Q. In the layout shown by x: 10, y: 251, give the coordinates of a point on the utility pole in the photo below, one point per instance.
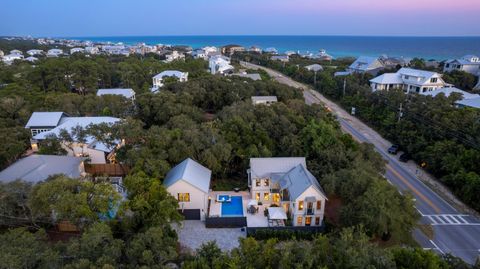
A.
x: 344, y: 85
x: 315, y: 78
x: 400, y: 112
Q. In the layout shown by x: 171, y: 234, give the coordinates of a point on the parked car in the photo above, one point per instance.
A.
x: 404, y: 157
x: 393, y: 149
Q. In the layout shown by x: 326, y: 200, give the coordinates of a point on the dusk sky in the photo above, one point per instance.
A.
x: 240, y: 17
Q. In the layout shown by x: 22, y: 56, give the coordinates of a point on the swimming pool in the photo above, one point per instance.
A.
x: 234, y: 208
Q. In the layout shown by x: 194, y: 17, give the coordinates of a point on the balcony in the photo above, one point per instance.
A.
x: 309, y: 212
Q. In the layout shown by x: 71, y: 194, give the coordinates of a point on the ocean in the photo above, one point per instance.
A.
x: 438, y: 48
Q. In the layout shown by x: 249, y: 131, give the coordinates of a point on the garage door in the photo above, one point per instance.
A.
x: 190, y: 214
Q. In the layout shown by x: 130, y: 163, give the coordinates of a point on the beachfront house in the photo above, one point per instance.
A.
x: 468, y: 63
x: 127, y: 93
x: 18, y: 52
x: 264, y: 100
x: 158, y: 80
x: 410, y: 81
x: 219, y: 64
x: 285, y: 183
x: 43, y: 125
x: 36, y: 168
x: 189, y: 183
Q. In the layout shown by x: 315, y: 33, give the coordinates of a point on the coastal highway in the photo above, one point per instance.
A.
x: 454, y: 232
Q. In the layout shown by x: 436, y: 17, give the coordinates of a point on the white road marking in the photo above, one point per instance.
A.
x: 436, y: 247
x: 449, y: 219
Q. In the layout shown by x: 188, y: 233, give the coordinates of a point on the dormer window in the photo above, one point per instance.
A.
x: 267, y: 182
x: 433, y: 80
x: 258, y: 183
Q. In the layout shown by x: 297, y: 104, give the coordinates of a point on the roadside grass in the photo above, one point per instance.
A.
x: 427, y: 230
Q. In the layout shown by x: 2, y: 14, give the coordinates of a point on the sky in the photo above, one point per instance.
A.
x: 76, y: 18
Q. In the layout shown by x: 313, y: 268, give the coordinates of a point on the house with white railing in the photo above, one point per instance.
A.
x: 410, y: 81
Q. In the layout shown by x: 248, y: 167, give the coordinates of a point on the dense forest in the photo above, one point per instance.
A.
x: 428, y: 128
x: 210, y: 119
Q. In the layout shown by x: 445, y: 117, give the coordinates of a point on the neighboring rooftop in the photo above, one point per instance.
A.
x: 254, y: 76
x: 448, y: 91
x: 36, y: 168
x: 171, y: 73
x: 191, y: 172
x: 256, y: 99
x: 127, y: 93
x: 475, y: 103
x: 45, y: 119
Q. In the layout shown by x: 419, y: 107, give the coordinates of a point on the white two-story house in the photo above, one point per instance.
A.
x: 410, y: 81
x: 287, y: 183
x: 43, y: 125
x: 158, y: 80
x: 468, y: 63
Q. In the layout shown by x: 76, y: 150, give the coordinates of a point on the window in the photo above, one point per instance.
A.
x: 433, y: 80
x: 299, y: 220
x: 184, y: 197
x: 317, y: 221
x: 267, y: 182
x: 308, y: 221
x: 276, y: 197
x: 266, y: 196
x: 258, y: 183
x: 319, y: 205
x: 407, y: 77
x: 257, y: 196
x: 300, y: 205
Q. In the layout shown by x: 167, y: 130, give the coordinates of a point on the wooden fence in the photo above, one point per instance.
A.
x: 110, y: 169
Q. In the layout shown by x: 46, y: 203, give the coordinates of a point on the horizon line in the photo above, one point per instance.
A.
x: 248, y: 35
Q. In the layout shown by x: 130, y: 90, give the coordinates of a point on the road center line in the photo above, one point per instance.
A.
x: 410, y: 186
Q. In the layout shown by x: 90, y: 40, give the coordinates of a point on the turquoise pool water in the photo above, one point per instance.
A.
x: 234, y: 208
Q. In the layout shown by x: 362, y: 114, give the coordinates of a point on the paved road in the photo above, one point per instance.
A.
x: 454, y: 232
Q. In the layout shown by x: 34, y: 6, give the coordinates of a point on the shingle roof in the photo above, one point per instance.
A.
x: 127, y: 93
x: 36, y: 168
x: 191, y: 172
x: 44, y: 119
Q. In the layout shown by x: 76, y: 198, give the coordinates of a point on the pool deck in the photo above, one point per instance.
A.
x: 216, y: 207
x: 253, y: 220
